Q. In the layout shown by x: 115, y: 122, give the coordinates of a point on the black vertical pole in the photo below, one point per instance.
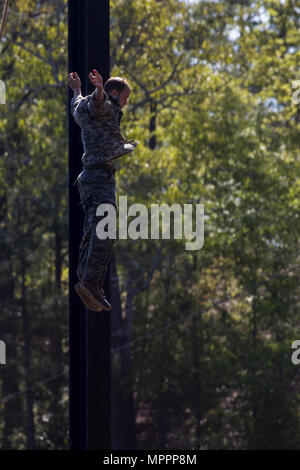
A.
x: 89, y: 338
x: 76, y: 31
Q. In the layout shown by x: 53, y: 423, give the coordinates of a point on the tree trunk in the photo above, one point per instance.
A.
x: 58, y: 259
x: 28, y: 395
x: 12, y: 409
x: 123, y: 417
x: 163, y: 392
x: 152, y: 126
x: 162, y: 402
x: 198, y: 386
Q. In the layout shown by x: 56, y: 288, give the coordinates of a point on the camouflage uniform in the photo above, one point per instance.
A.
x: 102, y: 142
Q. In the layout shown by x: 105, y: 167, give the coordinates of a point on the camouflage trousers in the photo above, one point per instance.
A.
x: 95, y: 187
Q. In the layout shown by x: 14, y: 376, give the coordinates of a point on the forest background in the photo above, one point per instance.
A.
x: 209, y: 364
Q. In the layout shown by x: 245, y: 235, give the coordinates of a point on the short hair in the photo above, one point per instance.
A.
x: 115, y: 83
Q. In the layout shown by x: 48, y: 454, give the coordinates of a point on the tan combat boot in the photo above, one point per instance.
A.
x: 92, y: 296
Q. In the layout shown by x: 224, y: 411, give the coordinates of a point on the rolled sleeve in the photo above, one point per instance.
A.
x: 77, y: 104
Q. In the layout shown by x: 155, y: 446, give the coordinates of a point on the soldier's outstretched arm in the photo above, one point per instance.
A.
x: 98, y: 103
x: 97, y: 81
x: 75, y: 85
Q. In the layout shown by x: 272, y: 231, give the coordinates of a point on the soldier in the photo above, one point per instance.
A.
x: 98, y: 116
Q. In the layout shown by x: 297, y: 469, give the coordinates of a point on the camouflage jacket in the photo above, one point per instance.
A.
x: 100, y: 129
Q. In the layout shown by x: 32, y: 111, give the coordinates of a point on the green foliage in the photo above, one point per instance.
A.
x: 33, y: 193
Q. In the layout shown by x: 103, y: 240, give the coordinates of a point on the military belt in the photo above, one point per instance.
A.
x: 100, y: 166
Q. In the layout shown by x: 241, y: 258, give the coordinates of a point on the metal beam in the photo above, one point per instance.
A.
x: 89, y: 338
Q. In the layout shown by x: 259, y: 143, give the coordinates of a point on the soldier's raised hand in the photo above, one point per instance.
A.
x: 96, y: 79
x: 74, y: 81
